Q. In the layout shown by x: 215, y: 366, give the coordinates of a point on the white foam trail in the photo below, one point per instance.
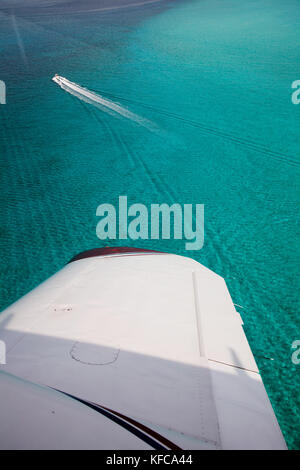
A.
x: 19, y: 39
x: 104, y: 103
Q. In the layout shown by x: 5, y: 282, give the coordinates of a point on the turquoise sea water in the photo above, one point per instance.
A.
x: 215, y: 77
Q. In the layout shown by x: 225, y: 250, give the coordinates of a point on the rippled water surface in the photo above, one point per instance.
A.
x: 214, y: 78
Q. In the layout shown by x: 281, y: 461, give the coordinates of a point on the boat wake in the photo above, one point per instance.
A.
x: 104, y: 104
x: 204, y: 128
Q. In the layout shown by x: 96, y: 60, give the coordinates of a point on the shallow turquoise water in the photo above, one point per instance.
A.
x: 215, y: 77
